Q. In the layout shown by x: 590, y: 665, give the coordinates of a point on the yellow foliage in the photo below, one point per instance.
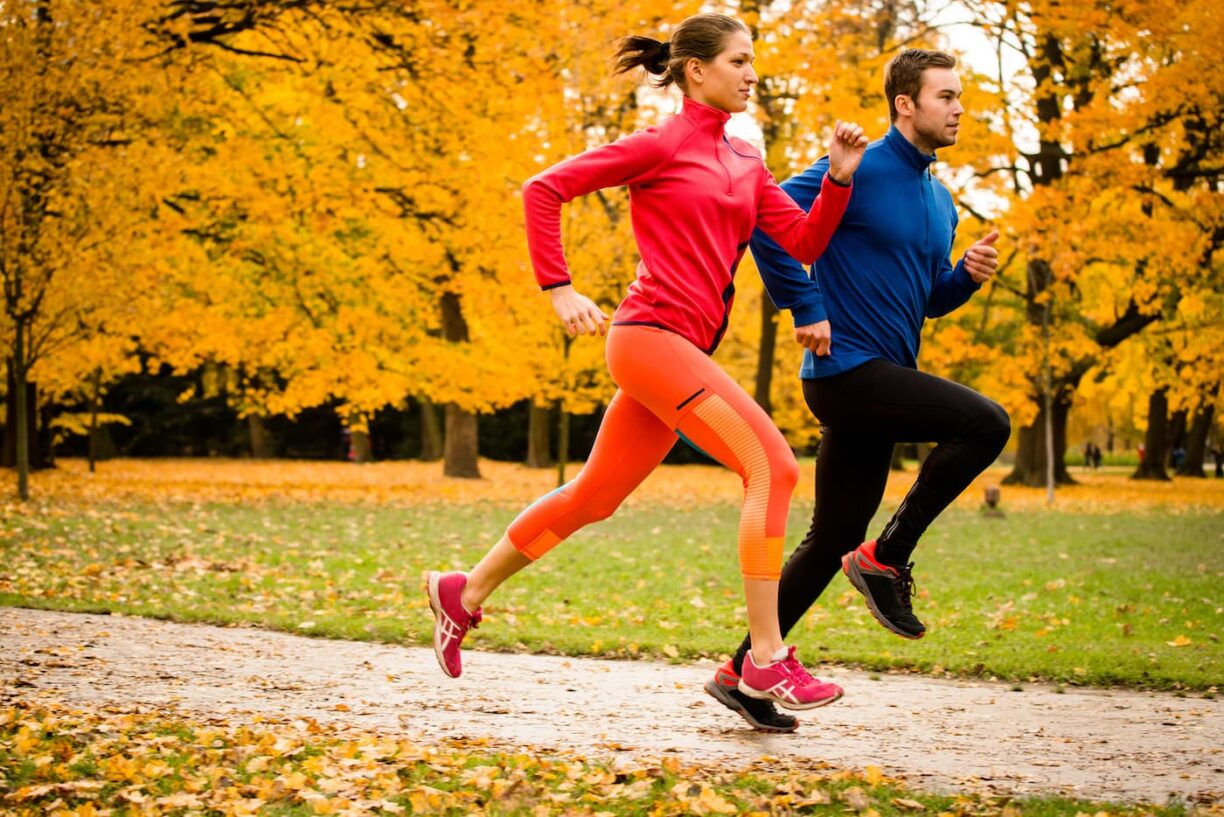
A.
x: 326, y: 210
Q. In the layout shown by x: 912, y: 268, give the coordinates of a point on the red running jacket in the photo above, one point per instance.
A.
x: 695, y: 196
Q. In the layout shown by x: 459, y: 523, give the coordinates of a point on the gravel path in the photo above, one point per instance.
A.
x: 937, y: 734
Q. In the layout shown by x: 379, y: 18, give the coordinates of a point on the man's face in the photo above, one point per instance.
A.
x: 937, y: 110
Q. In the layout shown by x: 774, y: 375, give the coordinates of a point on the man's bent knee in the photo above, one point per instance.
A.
x: 996, y: 426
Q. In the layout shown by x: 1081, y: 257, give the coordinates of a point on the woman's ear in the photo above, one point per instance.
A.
x: 694, y: 70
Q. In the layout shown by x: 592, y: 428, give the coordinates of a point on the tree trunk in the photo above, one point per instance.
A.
x: 359, y: 438
x: 261, y: 441
x: 1196, y: 440
x: 95, y: 399
x: 20, y: 449
x: 459, y: 454
x: 765, y: 354
x: 1156, y: 441
x: 21, y: 423
x: 362, y: 450
x: 898, y: 462
x: 562, y: 443
x: 538, y: 450
x: 431, y: 432
x: 1030, y: 467
x: 459, y: 450
x: 1176, y: 435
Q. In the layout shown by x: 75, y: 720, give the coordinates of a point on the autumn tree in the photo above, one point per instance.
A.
x: 70, y: 136
x: 376, y: 210
x: 1104, y: 92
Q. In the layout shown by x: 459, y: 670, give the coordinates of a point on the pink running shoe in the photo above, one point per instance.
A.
x: 451, y: 619
x: 786, y: 683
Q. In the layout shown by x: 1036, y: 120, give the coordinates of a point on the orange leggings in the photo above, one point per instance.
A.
x: 668, y: 385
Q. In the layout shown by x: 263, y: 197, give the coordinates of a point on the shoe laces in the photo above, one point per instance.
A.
x: 793, y: 670
x: 904, y: 584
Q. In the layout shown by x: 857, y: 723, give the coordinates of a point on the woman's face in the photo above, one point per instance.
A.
x: 726, y: 81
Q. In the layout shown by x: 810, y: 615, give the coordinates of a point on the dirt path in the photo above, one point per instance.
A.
x: 1111, y: 745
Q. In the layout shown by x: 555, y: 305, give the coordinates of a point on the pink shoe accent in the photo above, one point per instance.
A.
x: 451, y: 619
x: 786, y: 683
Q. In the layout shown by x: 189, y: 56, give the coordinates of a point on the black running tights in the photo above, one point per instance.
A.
x: 864, y: 412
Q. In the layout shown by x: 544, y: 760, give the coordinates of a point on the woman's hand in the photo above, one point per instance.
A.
x: 815, y: 337
x: 578, y: 313
x: 846, y: 151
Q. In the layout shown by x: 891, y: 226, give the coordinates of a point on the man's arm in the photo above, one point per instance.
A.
x: 955, y: 285
x: 786, y: 282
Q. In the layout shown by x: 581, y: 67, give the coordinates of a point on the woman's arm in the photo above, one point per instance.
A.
x: 805, y: 235
x: 626, y: 161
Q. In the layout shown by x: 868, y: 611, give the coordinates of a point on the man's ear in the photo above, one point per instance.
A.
x: 904, y: 104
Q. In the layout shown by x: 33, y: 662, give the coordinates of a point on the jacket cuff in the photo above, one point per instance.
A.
x: 810, y: 313
x: 962, y: 275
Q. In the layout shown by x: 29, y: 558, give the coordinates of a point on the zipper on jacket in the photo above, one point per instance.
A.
x: 926, y: 207
x: 727, y: 170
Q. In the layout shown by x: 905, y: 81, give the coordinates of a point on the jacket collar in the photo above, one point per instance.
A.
x: 705, y: 117
x: 906, y: 151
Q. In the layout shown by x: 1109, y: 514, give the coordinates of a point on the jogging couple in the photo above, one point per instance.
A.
x: 879, y: 229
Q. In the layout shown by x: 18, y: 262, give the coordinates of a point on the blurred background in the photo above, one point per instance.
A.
x: 285, y: 228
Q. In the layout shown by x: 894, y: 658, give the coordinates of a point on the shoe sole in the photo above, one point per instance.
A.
x: 436, y: 606
x: 715, y: 691
x: 761, y: 695
x: 856, y: 578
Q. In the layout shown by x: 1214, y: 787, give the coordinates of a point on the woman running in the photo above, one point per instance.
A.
x: 695, y: 197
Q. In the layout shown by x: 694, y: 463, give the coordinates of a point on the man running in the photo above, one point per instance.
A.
x: 884, y: 272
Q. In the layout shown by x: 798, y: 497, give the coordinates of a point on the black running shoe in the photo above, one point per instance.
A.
x: 888, y: 590
x: 762, y: 715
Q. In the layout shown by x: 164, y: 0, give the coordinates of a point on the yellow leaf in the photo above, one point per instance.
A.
x: 908, y: 805
x: 710, y: 802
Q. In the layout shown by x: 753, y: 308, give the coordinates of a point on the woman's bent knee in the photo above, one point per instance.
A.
x: 788, y: 471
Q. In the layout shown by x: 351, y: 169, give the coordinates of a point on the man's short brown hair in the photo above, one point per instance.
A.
x: 903, y: 74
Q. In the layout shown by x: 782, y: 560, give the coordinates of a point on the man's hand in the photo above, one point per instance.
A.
x: 846, y: 151
x: 816, y: 337
x: 982, y: 259
x: 578, y: 313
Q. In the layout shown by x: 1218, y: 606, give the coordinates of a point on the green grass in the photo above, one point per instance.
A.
x: 1075, y: 599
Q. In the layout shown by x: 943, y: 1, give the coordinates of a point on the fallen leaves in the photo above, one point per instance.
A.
x: 59, y: 760
x: 508, y: 484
